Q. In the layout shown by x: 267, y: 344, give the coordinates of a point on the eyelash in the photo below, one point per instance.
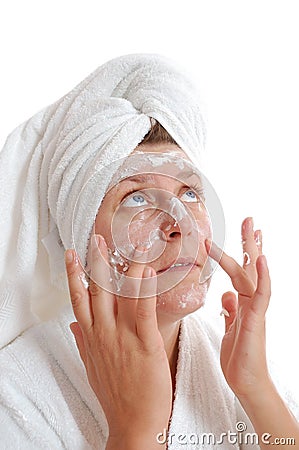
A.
x: 198, y: 190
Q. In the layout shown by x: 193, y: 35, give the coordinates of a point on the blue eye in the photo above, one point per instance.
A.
x: 135, y: 201
x: 190, y: 196
x: 138, y: 198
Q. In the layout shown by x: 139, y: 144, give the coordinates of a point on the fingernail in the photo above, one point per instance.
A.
x: 102, y: 239
x: 213, y: 250
x: 147, y: 273
x: 258, y: 237
x: 248, y: 224
x: 101, y: 242
x: 69, y: 256
x: 95, y: 241
x: 138, y: 252
x: 208, y: 244
x: 98, y: 242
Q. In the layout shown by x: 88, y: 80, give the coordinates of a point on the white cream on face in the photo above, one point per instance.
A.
x: 161, y: 208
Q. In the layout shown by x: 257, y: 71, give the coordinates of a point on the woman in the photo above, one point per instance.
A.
x: 151, y: 365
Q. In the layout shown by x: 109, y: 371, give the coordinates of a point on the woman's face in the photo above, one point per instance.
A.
x: 164, y: 216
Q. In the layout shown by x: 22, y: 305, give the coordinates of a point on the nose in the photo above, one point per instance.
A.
x: 177, y: 221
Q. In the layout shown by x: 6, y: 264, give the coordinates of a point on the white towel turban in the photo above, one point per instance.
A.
x: 46, y: 162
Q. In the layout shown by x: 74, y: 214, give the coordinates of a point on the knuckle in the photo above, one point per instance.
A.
x: 264, y: 291
x: 76, y: 299
x: 94, y: 288
x: 90, y: 338
x: 122, y: 342
x: 71, y: 272
x: 143, y: 314
x: 157, y: 348
x: 99, y: 339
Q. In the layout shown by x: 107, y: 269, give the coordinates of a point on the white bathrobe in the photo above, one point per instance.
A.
x: 47, y: 403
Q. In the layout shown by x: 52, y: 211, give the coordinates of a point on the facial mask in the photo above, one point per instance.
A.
x: 165, y: 197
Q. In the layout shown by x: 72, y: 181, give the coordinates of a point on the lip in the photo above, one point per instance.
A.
x: 187, y: 264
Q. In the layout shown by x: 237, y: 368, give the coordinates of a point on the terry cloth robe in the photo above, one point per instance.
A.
x: 47, y: 403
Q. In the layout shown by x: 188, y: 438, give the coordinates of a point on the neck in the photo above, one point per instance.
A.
x: 170, y: 335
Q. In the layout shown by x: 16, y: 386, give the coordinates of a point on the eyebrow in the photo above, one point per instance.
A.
x: 145, y: 178
x: 137, y: 179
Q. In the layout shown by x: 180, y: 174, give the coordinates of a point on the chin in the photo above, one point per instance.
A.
x: 185, y: 298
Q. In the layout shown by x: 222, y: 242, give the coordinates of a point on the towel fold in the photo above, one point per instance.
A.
x: 53, y: 177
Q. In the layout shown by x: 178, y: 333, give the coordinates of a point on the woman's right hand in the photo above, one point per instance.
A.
x: 122, y: 350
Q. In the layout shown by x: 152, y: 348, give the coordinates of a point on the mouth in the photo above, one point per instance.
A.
x: 182, y: 264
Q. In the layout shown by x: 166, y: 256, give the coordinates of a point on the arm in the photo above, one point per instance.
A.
x: 122, y: 350
x: 243, y: 350
x: 269, y: 414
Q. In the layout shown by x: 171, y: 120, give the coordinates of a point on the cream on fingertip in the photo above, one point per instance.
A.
x: 224, y: 312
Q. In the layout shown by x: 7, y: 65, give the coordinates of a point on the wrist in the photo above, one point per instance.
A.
x: 258, y: 394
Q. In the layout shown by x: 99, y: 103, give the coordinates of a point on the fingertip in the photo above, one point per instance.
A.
x: 247, y: 224
x: 149, y: 272
x: 213, y: 250
x: 208, y: 244
x: 228, y: 295
x: 99, y: 251
x: 224, y: 312
x: 262, y: 262
x: 229, y: 301
x: 69, y: 256
x: 148, y: 288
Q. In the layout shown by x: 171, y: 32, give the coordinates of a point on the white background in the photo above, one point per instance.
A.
x: 244, y: 57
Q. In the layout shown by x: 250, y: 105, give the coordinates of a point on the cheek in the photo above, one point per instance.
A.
x: 183, y: 299
x: 202, y: 214
x: 102, y: 224
x: 203, y: 222
x: 143, y: 230
x: 139, y: 232
x: 146, y: 229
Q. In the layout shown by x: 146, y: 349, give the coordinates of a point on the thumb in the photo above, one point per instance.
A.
x: 229, y: 308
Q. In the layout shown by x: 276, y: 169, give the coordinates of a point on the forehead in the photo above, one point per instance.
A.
x: 161, y: 158
x: 147, y: 166
x: 162, y: 147
x: 181, y: 177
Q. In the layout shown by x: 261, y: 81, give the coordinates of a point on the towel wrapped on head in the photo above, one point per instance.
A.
x: 47, y: 161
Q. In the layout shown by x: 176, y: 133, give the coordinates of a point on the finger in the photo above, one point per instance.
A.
x: 146, y: 316
x: 77, y: 333
x: 102, y: 299
x: 250, y: 249
x: 261, y: 298
x: 240, y: 280
x: 258, y: 236
x: 78, y: 292
x: 130, y: 289
x: 230, y: 305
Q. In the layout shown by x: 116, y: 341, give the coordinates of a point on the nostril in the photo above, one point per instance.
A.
x: 174, y: 234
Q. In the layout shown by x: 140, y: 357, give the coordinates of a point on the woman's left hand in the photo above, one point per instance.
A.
x: 243, y: 350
